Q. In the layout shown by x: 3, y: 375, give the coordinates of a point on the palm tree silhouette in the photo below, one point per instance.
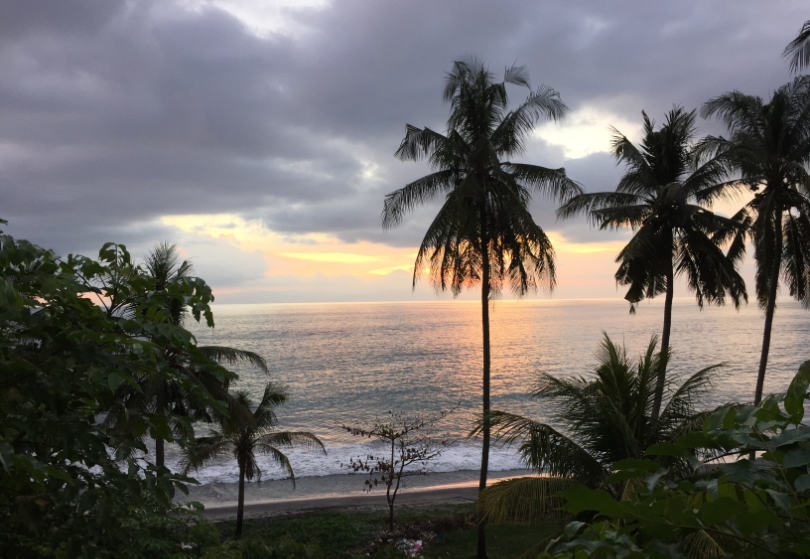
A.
x: 598, y: 420
x: 483, y: 232
x: 769, y: 145
x: 242, y: 433
x: 170, y: 399
x: 660, y: 199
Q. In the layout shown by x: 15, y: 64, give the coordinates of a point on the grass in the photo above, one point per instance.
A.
x: 448, y: 532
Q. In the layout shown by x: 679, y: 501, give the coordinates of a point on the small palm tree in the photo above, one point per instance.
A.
x: 769, y: 145
x: 798, y: 50
x: 163, y: 267
x: 242, y: 433
x: 660, y: 198
x: 604, y: 418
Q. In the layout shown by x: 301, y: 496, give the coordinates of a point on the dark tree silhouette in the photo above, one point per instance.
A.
x: 660, y: 199
x: 769, y: 146
x: 483, y: 232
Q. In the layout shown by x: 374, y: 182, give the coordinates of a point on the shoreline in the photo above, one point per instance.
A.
x: 338, y: 491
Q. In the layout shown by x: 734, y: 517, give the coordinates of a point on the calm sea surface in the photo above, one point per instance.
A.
x: 348, y: 363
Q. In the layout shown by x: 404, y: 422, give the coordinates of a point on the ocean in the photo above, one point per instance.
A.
x: 346, y: 364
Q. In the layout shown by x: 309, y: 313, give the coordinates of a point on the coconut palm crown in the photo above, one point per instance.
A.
x: 243, y: 433
x: 163, y: 267
x: 606, y: 416
x: 483, y: 232
x: 595, y: 421
x: 661, y: 198
x: 769, y: 146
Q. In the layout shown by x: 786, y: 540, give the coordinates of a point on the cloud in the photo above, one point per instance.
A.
x: 116, y: 113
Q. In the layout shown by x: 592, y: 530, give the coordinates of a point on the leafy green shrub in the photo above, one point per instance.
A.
x: 71, y: 374
x: 743, y: 508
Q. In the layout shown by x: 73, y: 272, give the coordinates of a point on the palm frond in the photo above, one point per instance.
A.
x: 543, y: 448
x: 526, y: 499
x: 232, y: 356
x: 798, y: 50
x: 289, y: 439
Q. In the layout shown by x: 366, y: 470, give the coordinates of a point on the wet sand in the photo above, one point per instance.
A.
x: 338, y: 492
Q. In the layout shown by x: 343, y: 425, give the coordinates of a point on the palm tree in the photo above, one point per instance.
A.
x: 170, y: 400
x: 660, y: 199
x: 242, y: 433
x: 483, y: 232
x: 798, y: 50
x: 769, y: 145
x: 605, y: 418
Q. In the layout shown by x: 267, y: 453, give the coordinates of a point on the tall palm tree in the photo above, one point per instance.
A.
x: 660, y: 199
x: 598, y: 420
x: 164, y: 268
x: 483, y: 231
x: 798, y: 50
x: 244, y: 432
x: 769, y: 145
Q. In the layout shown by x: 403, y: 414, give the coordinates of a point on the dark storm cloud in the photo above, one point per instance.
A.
x: 115, y: 113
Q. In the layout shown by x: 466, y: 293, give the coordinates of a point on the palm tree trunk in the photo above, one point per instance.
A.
x: 662, y: 369
x: 160, y: 444
x: 482, y: 483
x: 160, y: 452
x: 769, y: 312
x: 240, y: 503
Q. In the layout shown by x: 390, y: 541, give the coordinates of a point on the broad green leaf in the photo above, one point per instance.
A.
x: 797, y: 392
x: 802, y: 483
x: 796, y: 457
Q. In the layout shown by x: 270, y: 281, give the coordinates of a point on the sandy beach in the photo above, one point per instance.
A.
x: 343, y: 492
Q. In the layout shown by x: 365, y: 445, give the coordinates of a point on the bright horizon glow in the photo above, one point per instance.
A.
x: 293, y: 265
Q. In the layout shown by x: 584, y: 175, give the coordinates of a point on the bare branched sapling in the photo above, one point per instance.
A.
x: 408, y: 441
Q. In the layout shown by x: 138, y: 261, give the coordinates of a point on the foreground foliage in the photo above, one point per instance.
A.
x: 744, y: 508
x: 63, y: 361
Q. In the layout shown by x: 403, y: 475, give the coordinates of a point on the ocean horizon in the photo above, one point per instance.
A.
x: 349, y: 363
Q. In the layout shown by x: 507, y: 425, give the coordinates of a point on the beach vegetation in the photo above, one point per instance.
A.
x: 663, y: 197
x: 769, y: 147
x: 158, y: 393
x: 63, y: 360
x: 741, y: 507
x: 597, y: 421
x: 483, y: 232
x: 242, y: 433
x: 409, y: 446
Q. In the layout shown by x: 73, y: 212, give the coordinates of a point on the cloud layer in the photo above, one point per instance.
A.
x: 115, y: 113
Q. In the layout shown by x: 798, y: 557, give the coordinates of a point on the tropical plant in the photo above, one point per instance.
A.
x: 661, y: 199
x: 242, y: 433
x: 62, y: 361
x: 164, y: 270
x: 483, y: 231
x: 736, y: 508
x: 597, y: 421
x: 798, y: 50
x: 407, y: 442
x: 769, y: 146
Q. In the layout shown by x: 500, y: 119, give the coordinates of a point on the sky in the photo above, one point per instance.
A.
x: 259, y: 136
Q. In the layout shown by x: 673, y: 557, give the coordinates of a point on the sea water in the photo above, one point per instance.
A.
x: 348, y: 364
